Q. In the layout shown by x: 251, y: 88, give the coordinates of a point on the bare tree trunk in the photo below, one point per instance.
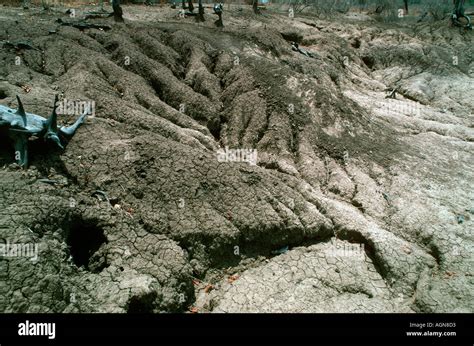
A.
x: 459, y: 8
x: 200, y: 16
x: 406, y: 6
x: 183, y: 2
x: 118, y: 13
x: 255, y: 7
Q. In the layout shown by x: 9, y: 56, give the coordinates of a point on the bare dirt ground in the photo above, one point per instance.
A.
x: 357, y: 203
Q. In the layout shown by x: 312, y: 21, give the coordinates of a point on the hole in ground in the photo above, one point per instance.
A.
x: 86, y: 241
x: 142, y: 303
x: 369, y: 61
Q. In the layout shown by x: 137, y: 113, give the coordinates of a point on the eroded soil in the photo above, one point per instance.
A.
x: 357, y: 203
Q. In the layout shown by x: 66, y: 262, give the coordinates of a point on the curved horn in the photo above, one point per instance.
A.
x: 52, y: 122
x: 21, y: 110
x: 52, y: 126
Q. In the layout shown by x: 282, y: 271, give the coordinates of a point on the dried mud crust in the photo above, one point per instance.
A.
x: 142, y: 217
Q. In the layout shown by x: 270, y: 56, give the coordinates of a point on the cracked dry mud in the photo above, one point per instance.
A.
x: 358, y: 203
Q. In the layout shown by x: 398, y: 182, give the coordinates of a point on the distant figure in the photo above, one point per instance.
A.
x: 218, y: 8
x: 458, y: 17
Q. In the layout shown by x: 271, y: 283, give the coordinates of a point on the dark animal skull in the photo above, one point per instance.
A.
x: 20, y: 126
